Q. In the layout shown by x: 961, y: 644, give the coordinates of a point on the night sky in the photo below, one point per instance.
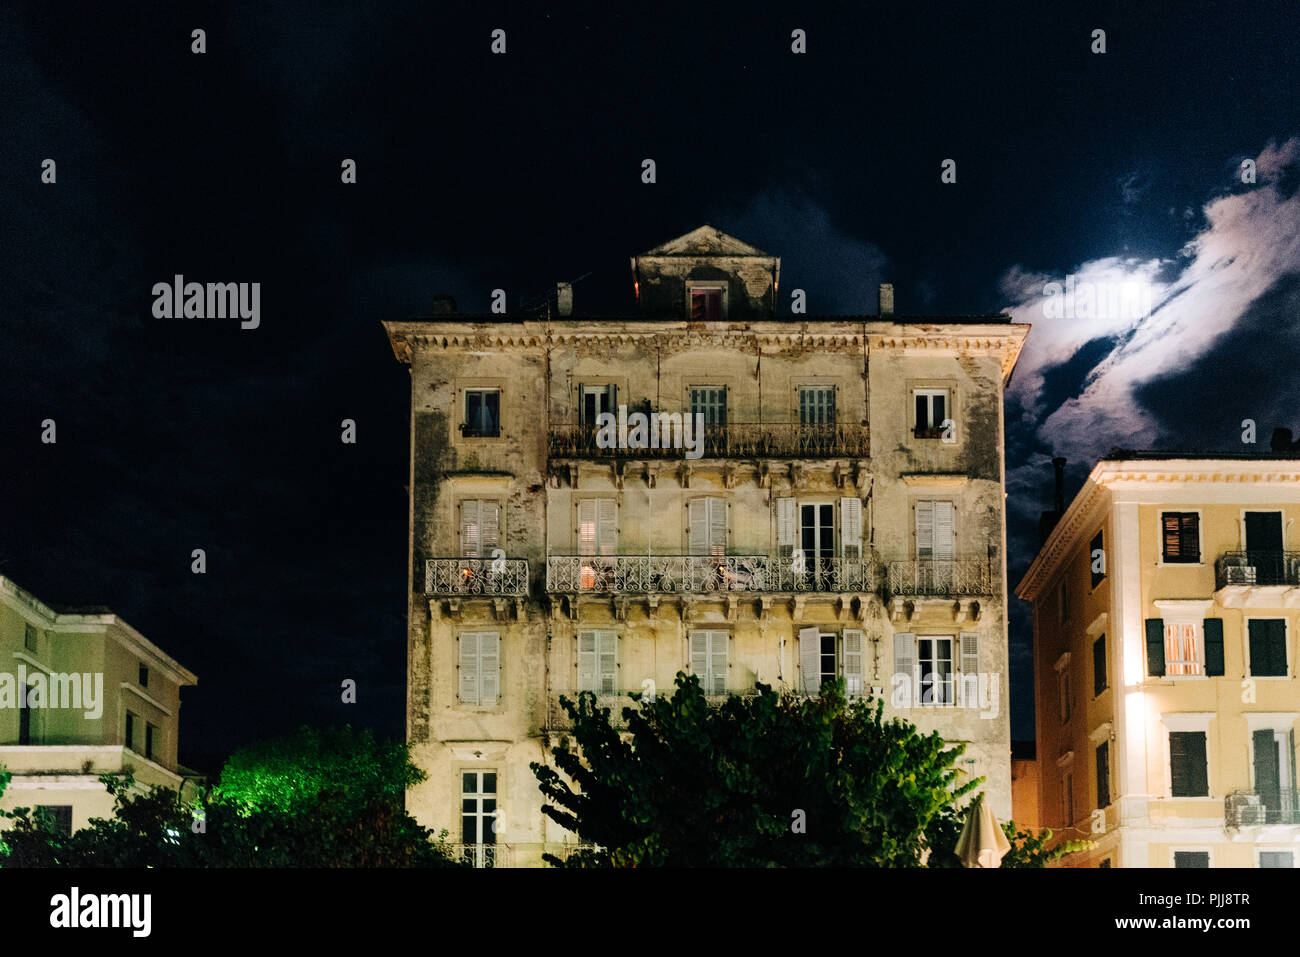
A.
x: 477, y: 171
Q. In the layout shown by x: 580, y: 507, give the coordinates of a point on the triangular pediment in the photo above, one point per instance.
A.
x: 705, y: 241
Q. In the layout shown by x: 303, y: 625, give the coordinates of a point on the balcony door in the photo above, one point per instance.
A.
x: 1264, y: 547
x: 1273, y: 774
x: 935, y: 546
x: 817, y: 540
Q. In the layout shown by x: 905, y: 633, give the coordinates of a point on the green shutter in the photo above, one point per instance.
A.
x: 1188, y: 774
x: 1267, y: 785
x: 1156, y: 647
x: 1267, y: 647
x: 1214, y: 647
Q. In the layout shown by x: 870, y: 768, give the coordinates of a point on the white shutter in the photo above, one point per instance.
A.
x: 587, y: 661
x: 852, y: 661
x: 905, y: 657
x: 607, y: 527
x: 469, y: 667
x: 970, y: 653
x: 944, y: 540
x: 607, y: 651
x: 810, y: 660
x: 785, y: 522
x: 924, y: 530
x: 587, y: 526
x: 489, y: 527
x: 718, y: 654
x: 851, y: 527
x: 469, y: 529
x: 489, y: 668
x: 700, y: 658
x: 717, y: 526
x: 698, y: 516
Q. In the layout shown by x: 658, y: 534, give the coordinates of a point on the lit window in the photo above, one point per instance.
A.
x: 934, y: 656
x: 1182, y: 648
x: 1180, y: 537
x: 478, y: 816
x: 706, y: 304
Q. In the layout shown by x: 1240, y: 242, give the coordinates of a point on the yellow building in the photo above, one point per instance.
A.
x: 82, y: 694
x: 1165, y: 621
x: 838, y: 512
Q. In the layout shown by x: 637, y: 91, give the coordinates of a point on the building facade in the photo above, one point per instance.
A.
x: 1165, y: 620
x: 82, y: 694
x: 572, y: 527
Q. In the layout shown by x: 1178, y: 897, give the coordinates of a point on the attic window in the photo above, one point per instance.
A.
x: 706, y: 303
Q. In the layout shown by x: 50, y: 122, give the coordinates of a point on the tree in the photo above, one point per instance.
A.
x: 763, y: 780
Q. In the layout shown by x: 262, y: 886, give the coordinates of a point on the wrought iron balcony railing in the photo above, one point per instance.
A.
x: 732, y: 440
x: 484, y: 855
x: 924, y: 578
x: 470, y: 577
x: 1257, y: 568
x: 1250, y: 809
x: 702, y: 574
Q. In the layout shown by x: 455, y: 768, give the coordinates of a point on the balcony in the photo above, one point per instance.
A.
x: 703, y: 574
x: 1251, y: 569
x: 1248, y: 809
x: 483, y: 855
x: 733, y: 440
x: 927, y: 578
x: 470, y: 577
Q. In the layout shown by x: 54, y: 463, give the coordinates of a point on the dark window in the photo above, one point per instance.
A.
x: 1099, y: 665
x: 1103, y: 774
x: 1187, y: 769
x: 706, y: 305
x: 1267, y: 647
x: 817, y: 405
x: 149, y: 738
x: 931, y: 408
x: 1191, y: 858
x: 129, y: 738
x: 1268, y: 768
x: 1097, y: 560
x: 595, y: 400
x: 1181, y: 537
x: 56, y: 817
x: 29, y: 638
x: 1264, y: 548
x: 144, y: 676
x: 482, y: 413
x: 25, y: 719
x: 827, y: 659
x: 478, y: 807
x: 712, y: 404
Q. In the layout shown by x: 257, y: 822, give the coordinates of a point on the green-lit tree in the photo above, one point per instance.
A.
x: 763, y: 780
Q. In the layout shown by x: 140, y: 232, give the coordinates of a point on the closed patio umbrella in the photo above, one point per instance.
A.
x: 982, y: 842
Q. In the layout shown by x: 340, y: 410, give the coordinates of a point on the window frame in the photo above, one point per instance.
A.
x: 598, y: 636
x: 1286, y: 645
x: 1161, y: 561
x: 1169, y: 763
x: 829, y: 389
x: 951, y: 679
x: 721, y: 406
x: 486, y: 833
x: 1097, y: 541
x: 935, y: 429
x: 479, y: 671
x: 1103, y: 672
x: 708, y: 286
x: 466, y: 430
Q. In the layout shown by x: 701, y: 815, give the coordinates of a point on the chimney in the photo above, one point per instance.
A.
x: 1058, y: 464
x: 564, y: 298
x: 886, y: 299
x: 443, y: 305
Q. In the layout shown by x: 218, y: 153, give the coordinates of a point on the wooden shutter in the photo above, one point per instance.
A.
x: 698, y: 522
x: 1267, y: 767
x: 489, y: 527
x: 717, y: 526
x: 718, y: 656
x: 1187, y: 768
x: 1189, y: 543
x: 785, y: 523
x: 607, y: 527
x: 924, y: 530
x: 1213, y: 647
x: 470, y: 530
x: 611, y: 397
x: 1155, y: 647
x: 810, y: 661
x: 945, y: 545
x: 851, y: 527
x: 587, y: 526
x: 905, y: 658
x: 852, y: 661
x: 970, y: 653
x: 607, y: 661
x: 469, y: 667
x: 1267, y: 638
x: 489, y: 667
x: 587, y: 661
x: 700, y: 658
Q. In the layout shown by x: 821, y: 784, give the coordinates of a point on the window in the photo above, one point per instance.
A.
x: 706, y: 303
x: 595, y: 400
x: 1099, y: 665
x: 150, y: 739
x: 709, y: 660
x: 1191, y: 858
x: 25, y: 717
x: 934, y: 658
x: 478, y: 811
x: 931, y: 408
x: 598, y: 661
x: 1182, y: 648
x: 1276, y: 859
x: 1103, y: 774
x: 1097, y: 560
x: 1264, y: 554
x: 1267, y: 647
x: 480, y: 528
x: 29, y: 638
x: 1271, y: 753
x: 128, y: 737
x: 480, y: 668
x: 597, y: 526
x: 56, y: 817
x: 711, y: 402
x: 1063, y: 694
x: 1067, y: 798
x: 935, y: 545
x: 707, y: 522
x: 817, y: 405
x: 482, y: 413
x: 144, y: 676
x: 1180, y: 537
x: 817, y: 539
x: 821, y: 660
x: 1188, y: 774
x: 1063, y: 603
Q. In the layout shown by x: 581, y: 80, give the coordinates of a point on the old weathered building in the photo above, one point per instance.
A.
x: 842, y: 514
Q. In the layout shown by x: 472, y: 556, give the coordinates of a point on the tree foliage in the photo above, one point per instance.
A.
x: 763, y: 780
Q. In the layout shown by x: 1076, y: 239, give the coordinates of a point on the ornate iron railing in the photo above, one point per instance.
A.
x: 733, y: 440
x: 1248, y: 808
x: 476, y: 576
x: 702, y: 574
x: 483, y: 855
x: 1257, y: 568
x: 929, y: 578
